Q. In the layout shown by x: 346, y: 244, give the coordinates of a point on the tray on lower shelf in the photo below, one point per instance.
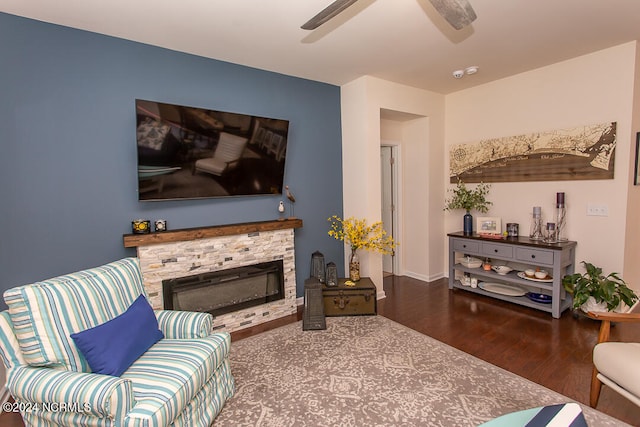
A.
x: 502, y: 289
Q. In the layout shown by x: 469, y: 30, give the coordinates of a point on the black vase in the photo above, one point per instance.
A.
x: 468, y: 224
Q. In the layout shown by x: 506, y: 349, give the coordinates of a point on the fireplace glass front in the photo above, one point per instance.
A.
x: 225, y: 291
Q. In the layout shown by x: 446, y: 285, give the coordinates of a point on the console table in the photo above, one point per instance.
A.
x: 519, y: 253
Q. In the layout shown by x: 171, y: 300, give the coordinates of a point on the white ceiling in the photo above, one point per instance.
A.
x: 403, y: 41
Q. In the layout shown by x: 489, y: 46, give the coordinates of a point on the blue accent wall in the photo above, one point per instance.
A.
x: 68, y: 178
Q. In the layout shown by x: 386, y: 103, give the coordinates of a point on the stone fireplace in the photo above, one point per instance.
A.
x: 223, y: 255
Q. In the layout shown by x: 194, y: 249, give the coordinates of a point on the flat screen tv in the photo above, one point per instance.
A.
x: 192, y: 153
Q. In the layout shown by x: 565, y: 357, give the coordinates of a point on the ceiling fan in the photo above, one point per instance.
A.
x: 458, y: 13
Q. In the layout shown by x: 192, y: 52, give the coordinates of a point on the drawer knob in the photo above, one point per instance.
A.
x: 495, y: 250
x: 464, y: 246
x: 533, y: 256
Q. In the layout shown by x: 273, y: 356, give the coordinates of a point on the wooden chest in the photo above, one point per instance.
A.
x: 359, y: 300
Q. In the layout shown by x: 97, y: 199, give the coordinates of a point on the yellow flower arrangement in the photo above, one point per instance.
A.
x: 358, y: 235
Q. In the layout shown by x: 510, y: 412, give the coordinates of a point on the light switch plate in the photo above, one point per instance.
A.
x: 597, y: 210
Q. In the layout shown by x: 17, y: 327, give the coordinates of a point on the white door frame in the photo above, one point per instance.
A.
x: 396, y: 195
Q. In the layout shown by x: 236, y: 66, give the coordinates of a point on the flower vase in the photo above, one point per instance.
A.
x: 354, y: 267
x: 468, y: 224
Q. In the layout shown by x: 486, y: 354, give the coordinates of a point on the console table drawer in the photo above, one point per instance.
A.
x: 467, y: 246
x: 534, y: 256
x: 497, y: 250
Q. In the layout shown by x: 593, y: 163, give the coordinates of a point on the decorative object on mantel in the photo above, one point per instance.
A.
x: 464, y: 198
x: 281, y: 209
x: 593, y: 291
x: 292, y: 200
x: 140, y: 226
x: 580, y: 153
x: 535, y: 232
x: 160, y: 225
x: 561, y: 212
x: 317, y: 266
x: 357, y: 234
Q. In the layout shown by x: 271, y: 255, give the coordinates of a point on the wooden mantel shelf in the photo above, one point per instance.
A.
x: 185, y: 234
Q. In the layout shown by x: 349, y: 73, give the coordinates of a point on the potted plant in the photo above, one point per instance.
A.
x: 359, y: 235
x: 468, y: 199
x: 593, y: 291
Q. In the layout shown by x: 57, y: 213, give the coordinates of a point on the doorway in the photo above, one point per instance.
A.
x: 389, y: 202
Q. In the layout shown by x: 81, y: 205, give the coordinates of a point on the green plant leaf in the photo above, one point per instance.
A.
x: 469, y: 199
x: 610, y: 289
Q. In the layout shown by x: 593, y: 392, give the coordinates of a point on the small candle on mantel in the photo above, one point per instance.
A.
x: 560, y: 199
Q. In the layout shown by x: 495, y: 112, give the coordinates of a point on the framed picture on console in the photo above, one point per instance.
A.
x: 489, y: 225
x: 636, y: 179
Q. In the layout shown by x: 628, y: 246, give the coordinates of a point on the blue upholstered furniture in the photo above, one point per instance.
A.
x: 183, y: 379
x: 561, y: 415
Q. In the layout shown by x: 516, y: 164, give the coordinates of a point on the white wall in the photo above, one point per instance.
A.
x: 422, y: 142
x: 594, y: 88
x: 591, y: 89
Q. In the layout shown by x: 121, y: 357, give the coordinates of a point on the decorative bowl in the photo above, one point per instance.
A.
x: 540, y: 274
x: 530, y: 272
x: 501, y: 269
x: 541, y: 298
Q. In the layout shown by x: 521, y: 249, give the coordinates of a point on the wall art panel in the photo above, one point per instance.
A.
x: 581, y: 153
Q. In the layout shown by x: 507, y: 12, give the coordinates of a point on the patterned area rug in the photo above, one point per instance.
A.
x: 371, y: 371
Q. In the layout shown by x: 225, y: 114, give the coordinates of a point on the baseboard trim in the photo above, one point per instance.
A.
x: 423, y: 277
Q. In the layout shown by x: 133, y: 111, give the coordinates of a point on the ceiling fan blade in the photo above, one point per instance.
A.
x: 458, y: 13
x: 327, y: 13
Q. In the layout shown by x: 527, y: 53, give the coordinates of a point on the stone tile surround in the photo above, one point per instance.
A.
x: 188, y: 254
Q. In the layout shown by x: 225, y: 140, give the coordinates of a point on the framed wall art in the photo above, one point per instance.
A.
x: 636, y: 179
x: 580, y: 153
x: 488, y: 225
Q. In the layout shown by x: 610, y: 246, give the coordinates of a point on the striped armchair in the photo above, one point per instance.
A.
x: 183, y: 379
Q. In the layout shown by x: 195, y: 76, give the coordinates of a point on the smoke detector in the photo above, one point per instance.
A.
x: 458, y: 74
x: 471, y: 70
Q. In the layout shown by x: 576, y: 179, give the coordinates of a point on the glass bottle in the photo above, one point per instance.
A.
x: 354, y: 266
x: 535, y: 232
x: 561, y: 212
x: 552, y: 233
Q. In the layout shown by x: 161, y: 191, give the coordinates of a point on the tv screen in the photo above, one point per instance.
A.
x: 191, y: 153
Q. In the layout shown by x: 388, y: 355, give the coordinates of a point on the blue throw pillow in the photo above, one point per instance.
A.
x: 110, y: 348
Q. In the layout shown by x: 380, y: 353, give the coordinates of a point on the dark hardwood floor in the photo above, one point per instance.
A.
x: 553, y: 352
